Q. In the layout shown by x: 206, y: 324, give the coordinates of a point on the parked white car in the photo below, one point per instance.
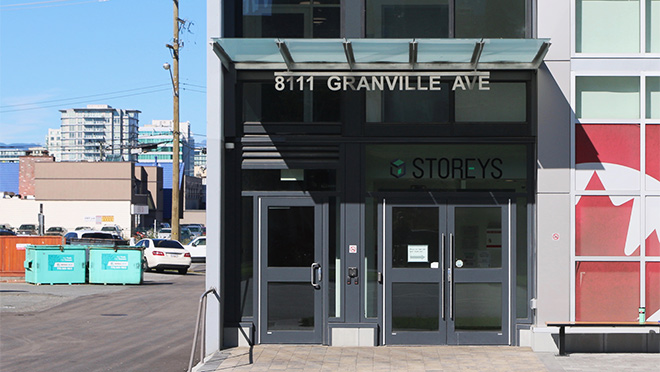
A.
x: 113, y: 229
x: 164, y: 233
x: 197, y: 249
x: 164, y: 254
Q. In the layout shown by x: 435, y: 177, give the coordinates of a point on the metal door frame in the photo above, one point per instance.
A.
x: 445, y: 205
x: 289, y: 274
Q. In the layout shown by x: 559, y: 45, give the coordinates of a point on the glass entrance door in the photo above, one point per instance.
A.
x: 290, y: 291
x: 446, y: 273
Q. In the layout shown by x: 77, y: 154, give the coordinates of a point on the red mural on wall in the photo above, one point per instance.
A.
x: 606, y: 291
x: 608, y: 158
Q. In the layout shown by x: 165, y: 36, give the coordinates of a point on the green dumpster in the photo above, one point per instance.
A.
x: 55, y: 264
x: 115, y: 265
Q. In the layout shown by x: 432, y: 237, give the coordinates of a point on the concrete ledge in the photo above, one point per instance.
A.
x: 353, y: 335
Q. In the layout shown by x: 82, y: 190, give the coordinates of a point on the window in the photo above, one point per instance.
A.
x: 291, y: 18
x: 607, y: 97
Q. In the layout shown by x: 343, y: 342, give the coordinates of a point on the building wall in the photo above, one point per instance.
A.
x: 84, y: 181
x: 27, y: 173
x: 68, y: 214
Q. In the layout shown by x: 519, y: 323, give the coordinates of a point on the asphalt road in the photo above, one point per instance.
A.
x: 146, y: 327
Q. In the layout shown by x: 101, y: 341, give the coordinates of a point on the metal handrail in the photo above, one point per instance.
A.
x: 200, y: 318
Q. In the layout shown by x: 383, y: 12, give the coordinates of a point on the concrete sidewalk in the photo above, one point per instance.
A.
x: 419, y: 358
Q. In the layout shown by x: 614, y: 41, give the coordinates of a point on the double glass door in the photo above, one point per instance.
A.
x: 446, y: 273
x: 291, y: 271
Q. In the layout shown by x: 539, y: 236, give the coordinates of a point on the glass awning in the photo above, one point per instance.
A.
x: 381, y: 54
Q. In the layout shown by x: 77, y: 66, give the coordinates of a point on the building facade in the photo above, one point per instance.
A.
x: 54, y: 143
x: 98, y: 133
x: 160, y: 132
x: 432, y: 172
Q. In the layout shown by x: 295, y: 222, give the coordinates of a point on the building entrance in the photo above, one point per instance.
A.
x: 291, y: 270
x: 446, y: 271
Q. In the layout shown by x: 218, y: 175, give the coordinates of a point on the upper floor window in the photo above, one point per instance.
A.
x: 616, y: 27
x: 433, y: 19
x: 291, y: 18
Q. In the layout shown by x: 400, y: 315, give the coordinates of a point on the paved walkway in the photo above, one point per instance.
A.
x: 419, y: 358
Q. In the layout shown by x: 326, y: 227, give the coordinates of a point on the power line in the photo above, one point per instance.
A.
x: 81, y: 97
x: 81, y: 102
x: 46, y: 4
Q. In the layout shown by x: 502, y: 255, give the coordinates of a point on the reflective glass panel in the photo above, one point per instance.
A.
x: 405, y: 106
x: 402, y: 18
x: 478, y: 307
x: 272, y: 180
x: 653, y: 26
x: 291, y: 19
x: 372, y: 287
x: 504, y: 102
x: 603, y: 224
x: 607, y: 291
x: 607, y: 97
x: 490, y: 18
x: 415, y: 307
x: 415, y: 237
x: 247, y: 262
x: 653, y: 94
x: 290, y: 236
x: 478, y: 235
x: 290, y: 307
x: 653, y: 291
x: 607, y: 26
x: 652, y: 157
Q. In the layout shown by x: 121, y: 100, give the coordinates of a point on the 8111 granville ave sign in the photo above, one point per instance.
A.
x: 368, y: 81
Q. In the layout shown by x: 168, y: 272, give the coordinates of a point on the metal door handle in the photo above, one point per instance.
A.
x: 442, y: 291
x: 449, y: 276
x: 313, y: 280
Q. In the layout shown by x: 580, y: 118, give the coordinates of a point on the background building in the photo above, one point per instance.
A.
x: 54, y: 143
x: 160, y: 131
x: 98, y: 133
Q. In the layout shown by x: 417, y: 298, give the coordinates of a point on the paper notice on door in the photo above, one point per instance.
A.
x: 418, y: 253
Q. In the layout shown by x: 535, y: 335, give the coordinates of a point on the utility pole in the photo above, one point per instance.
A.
x: 175, y: 125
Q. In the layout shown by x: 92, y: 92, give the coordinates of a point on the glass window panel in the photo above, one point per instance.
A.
x: 607, y: 97
x: 271, y: 180
x: 372, y: 286
x: 478, y: 307
x: 290, y: 307
x: 653, y: 26
x: 407, y: 19
x: 291, y: 19
x: 653, y: 94
x: 415, y: 237
x: 415, y: 307
x: 653, y: 291
x: 478, y: 237
x: 607, y: 291
x: 652, y: 157
x: 504, y: 102
x: 490, y: 18
x: 653, y: 226
x: 521, y: 244
x: 263, y: 103
x: 334, y: 260
x: 401, y: 106
x: 247, y: 262
x: 607, y: 156
x: 290, y: 236
x: 607, y: 226
x: 607, y: 26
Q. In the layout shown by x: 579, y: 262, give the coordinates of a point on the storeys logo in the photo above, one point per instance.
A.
x: 398, y: 168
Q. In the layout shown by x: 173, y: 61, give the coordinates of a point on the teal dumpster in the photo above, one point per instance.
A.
x: 55, y: 264
x: 115, y: 265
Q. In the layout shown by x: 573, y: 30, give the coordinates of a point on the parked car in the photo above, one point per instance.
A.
x: 164, y: 254
x: 56, y: 230
x: 194, y: 228
x: 28, y: 229
x: 93, y: 237
x: 113, y: 229
x: 166, y: 233
x: 83, y: 228
x: 197, y: 249
x: 6, y: 232
x: 6, y: 226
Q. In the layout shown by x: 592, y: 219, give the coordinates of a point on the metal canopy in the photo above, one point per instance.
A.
x: 381, y: 54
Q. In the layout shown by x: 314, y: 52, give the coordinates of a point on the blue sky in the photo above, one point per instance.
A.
x: 58, y: 54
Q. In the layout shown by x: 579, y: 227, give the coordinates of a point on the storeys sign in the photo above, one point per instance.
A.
x: 363, y: 81
x: 446, y: 166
